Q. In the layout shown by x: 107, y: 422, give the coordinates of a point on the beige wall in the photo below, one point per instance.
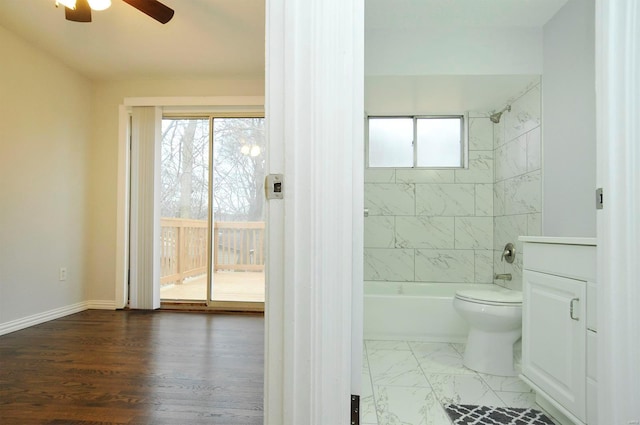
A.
x: 45, y: 128
x: 58, y: 175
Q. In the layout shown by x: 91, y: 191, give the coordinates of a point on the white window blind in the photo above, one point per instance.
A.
x: 146, y: 123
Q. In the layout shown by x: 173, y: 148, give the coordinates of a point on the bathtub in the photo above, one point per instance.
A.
x: 413, y: 311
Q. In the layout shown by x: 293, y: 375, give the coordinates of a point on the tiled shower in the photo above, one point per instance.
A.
x: 517, y: 201
x: 450, y: 226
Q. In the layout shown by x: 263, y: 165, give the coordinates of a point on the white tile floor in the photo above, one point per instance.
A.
x: 406, y: 383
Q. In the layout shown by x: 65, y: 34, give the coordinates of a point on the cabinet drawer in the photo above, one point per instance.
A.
x: 592, y: 355
x: 572, y: 261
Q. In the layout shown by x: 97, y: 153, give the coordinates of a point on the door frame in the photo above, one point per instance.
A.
x: 314, y: 110
x: 297, y: 30
x: 618, y: 232
x: 248, y: 104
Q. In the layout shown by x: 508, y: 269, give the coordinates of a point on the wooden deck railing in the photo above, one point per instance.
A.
x: 240, y: 247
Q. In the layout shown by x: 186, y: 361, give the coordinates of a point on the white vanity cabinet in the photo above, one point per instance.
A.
x: 557, y: 343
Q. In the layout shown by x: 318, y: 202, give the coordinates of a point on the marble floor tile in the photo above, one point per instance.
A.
x: 463, y: 389
x: 387, y: 345
x: 367, y: 402
x: 409, y: 406
x: 522, y: 400
x: 505, y: 383
x: 439, y: 358
x: 407, y: 382
x: 396, y: 367
x: 459, y: 347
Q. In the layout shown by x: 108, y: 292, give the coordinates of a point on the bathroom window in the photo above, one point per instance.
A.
x: 416, y: 142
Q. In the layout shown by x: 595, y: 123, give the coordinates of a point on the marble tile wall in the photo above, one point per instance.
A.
x: 517, y: 201
x: 434, y: 225
x: 450, y: 226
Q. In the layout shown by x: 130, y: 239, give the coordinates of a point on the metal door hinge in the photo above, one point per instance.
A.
x: 355, y: 409
x: 599, y: 199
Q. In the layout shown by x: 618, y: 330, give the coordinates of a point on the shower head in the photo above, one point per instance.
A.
x: 495, y: 117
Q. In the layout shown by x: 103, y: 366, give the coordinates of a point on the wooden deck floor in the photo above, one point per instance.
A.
x: 134, y: 368
x: 227, y: 286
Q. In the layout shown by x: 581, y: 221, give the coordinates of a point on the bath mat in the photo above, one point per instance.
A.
x: 466, y: 414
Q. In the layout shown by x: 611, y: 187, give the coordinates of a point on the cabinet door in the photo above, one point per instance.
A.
x: 554, y: 338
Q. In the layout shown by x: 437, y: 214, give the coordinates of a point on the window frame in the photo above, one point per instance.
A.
x: 464, y: 142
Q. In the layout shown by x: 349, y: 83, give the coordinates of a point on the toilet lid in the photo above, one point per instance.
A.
x: 491, y: 296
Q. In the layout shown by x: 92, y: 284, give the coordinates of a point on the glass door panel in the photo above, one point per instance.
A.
x: 238, y: 210
x: 184, y: 209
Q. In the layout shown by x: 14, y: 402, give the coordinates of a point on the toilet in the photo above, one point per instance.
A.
x: 494, y: 316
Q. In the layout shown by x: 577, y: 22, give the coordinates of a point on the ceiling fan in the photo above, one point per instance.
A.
x: 80, y: 10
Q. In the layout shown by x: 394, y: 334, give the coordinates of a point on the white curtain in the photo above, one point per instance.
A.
x: 618, y: 101
x: 144, y: 260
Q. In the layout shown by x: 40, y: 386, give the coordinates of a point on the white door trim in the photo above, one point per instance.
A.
x: 123, y: 204
x: 192, y: 102
x: 314, y: 110
x: 186, y: 104
x: 618, y: 141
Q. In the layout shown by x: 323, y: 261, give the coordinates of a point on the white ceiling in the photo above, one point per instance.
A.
x: 205, y: 38
x: 425, y: 14
x: 223, y: 38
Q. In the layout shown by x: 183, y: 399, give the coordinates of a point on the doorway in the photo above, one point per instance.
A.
x: 212, y: 212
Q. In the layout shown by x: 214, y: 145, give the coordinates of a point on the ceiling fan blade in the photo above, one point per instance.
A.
x: 82, y: 12
x: 153, y: 8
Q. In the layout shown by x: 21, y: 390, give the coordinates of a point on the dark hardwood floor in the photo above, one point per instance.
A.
x: 134, y: 368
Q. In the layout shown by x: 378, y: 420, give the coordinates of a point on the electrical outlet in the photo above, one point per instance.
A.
x: 62, y: 274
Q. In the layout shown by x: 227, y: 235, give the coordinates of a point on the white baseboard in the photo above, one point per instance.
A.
x: 36, y: 319
x: 101, y: 305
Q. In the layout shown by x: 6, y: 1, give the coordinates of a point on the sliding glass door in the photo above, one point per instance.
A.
x: 212, y: 211
x: 238, y: 209
x: 184, y: 204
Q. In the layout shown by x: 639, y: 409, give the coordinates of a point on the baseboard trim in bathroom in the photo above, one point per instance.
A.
x: 466, y: 414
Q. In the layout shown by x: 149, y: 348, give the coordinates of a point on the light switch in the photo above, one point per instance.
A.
x: 273, y: 186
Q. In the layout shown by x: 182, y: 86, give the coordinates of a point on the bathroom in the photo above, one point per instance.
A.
x: 414, y: 262
x: 430, y: 232
x: 436, y: 229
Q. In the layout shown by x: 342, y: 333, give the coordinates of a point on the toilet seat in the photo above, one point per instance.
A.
x: 501, y: 297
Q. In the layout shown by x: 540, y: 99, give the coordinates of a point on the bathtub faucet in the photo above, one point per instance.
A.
x: 505, y: 276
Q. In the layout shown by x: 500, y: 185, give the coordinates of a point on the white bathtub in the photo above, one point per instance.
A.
x: 413, y: 311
